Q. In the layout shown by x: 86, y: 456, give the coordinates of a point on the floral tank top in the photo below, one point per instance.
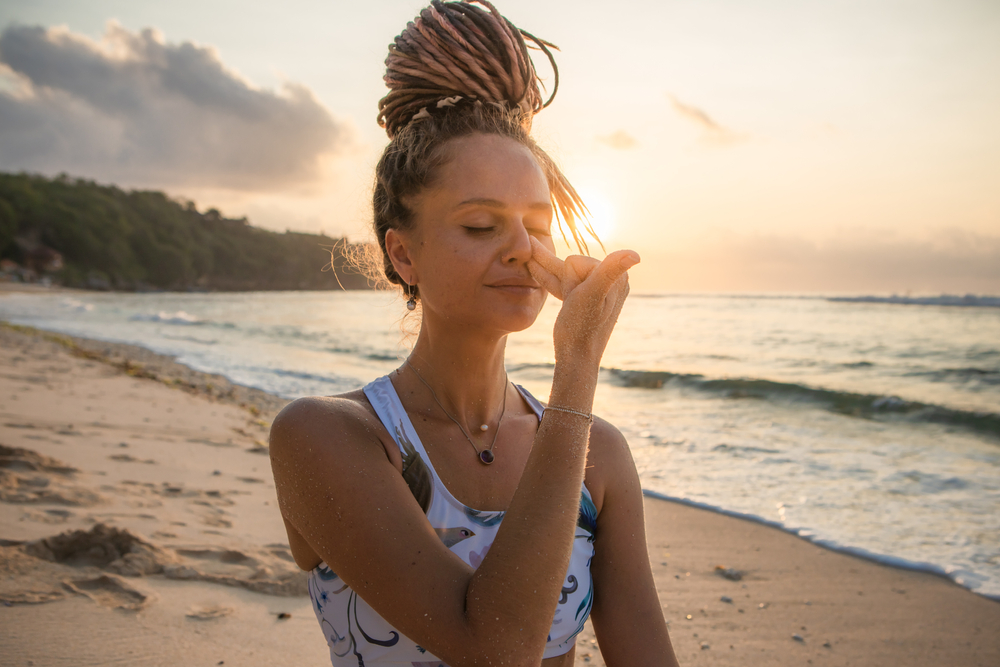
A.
x: 358, y: 636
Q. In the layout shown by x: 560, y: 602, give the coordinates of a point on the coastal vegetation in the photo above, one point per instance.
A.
x: 80, y: 233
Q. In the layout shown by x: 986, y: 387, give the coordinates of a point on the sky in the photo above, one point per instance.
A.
x: 769, y: 146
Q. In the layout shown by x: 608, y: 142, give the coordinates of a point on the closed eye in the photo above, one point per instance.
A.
x: 478, y: 230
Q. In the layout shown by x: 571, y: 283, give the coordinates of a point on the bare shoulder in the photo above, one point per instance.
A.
x: 323, y: 451
x: 320, y: 417
x: 609, y: 461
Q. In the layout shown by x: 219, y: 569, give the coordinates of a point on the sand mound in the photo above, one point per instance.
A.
x: 84, y: 562
x: 107, y: 548
x: 17, y: 458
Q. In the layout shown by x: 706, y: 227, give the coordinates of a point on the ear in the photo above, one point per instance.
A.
x: 397, y: 246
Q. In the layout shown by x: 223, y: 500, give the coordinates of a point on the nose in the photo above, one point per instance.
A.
x: 517, y: 248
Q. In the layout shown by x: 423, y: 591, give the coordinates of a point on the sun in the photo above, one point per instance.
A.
x: 603, y: 216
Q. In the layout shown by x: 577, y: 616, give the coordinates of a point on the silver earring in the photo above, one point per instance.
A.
x: 412, y: 303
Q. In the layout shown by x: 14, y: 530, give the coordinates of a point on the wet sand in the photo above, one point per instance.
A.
x: 138, y: 525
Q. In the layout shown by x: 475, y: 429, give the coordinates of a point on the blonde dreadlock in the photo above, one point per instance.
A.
x: 460, y: 68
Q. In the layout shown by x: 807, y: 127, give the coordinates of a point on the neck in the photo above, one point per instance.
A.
x: 465, y: 372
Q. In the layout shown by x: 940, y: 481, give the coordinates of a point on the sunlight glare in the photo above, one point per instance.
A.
x: 602, y: 213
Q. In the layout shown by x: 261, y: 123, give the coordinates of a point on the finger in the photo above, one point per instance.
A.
x: 621, y: 290
x: 615, y: 299
x: 581, y: 266
x: 601, y: 279
x: 546, y: 259
x: 550, y: 282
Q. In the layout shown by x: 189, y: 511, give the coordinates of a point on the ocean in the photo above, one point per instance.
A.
x: 866, y: 425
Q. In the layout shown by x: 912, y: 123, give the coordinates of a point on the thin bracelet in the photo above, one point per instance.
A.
x: 590, y: 417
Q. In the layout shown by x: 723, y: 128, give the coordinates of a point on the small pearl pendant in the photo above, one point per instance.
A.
x: 484, y: 427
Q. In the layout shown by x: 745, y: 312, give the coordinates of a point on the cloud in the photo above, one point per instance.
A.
x: 711, y: 131
x: 133, y: 108
x: 619, y: 140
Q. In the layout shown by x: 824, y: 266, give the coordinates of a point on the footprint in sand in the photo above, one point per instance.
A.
x: 258, y: 571
x: 227, y: 556
x: 110, y: 516
x: 29, y: 477
x: 209, y: 612
x: 215, y: 517
x: 128, y: 458
x: 281, y: 551
x: 211, y: 497
x: 251, y: 480
x: 146, y: 494
x: 49, y: 516
x: 212, y: 443
x: 110, y: 591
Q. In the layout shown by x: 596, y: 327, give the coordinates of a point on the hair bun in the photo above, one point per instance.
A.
x: 458, y: 48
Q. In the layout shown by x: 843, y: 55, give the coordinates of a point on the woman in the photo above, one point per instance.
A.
x: 420, y: 551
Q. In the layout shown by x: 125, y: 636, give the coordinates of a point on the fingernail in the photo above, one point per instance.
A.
x: 630, y: 260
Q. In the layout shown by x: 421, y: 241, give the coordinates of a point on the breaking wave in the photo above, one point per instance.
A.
x: 180, y: 317
x: 867, y: 406
x: 967, y: 301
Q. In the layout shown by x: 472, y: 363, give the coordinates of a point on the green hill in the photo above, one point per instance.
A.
x: 106, y: 238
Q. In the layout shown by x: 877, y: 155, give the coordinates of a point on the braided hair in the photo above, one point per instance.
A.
x: 457, y: 69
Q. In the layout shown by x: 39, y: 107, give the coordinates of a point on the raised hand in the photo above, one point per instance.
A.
x: 592, y: 293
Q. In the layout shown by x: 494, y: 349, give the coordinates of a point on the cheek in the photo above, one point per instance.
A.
x: 451, y: 265
x: 468, y: 253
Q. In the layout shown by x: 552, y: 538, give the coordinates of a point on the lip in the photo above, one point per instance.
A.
x: 516, y: 290
x: 522, y: 283
x: 516, y: 286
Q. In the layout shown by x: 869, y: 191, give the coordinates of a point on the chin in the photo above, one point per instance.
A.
x: 497, y: 314
x: 512, y: 319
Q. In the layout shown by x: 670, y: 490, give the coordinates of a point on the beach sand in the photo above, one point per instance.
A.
x: 138, y: 525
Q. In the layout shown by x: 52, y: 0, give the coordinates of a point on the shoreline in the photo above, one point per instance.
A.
x: 984, y: 300
x: 139, y: 361
x: 7, y: 287
x: 108, y: 411
x: 854, y: 552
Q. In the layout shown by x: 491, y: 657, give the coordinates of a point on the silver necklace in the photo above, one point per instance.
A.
x: 486, y: 456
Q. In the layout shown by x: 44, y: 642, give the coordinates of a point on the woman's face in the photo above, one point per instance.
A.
x: 469, y: 245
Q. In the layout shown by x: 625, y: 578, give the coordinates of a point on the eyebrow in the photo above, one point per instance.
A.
x: 495, y: 203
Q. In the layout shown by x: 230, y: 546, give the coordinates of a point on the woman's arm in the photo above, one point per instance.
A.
x: 339, y: 491
x: 626, y: 615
